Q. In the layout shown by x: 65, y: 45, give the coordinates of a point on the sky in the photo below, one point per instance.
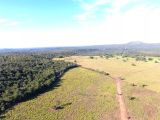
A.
x: 52, y: 23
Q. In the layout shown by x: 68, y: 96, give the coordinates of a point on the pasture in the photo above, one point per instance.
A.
x: 140, y: 82
x: 83, y: 95
x: 132, y: 71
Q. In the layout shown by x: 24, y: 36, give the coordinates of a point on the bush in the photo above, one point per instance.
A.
x: 133, y: 64
x: 124, y: 60
x: 156, y: 61
x: 91, y: 57
x: 150, y: 59
x: 141, y: 58
x: 61, y: 56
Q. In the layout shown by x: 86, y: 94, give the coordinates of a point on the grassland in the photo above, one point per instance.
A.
x: 141, y: 73
x: 84, y: 95
x: 141, y: 84
x: 143, y: 104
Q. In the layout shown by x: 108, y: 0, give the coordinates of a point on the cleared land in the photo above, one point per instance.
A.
x: 140, y: 85
x: 137, y: 72
x: 83, y: 94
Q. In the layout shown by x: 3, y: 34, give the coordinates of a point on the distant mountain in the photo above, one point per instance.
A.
x: 134, y: 47
x: 135, y: 43
x: 143, y: 46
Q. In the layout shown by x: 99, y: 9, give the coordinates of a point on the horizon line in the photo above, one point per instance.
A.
x: 43, y: 47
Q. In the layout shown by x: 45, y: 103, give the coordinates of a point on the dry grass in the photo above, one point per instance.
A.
x: 141, y: 84
x: 145, y: 105
x: 143, y: 73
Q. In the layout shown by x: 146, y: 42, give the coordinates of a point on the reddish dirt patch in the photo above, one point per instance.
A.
x: 151, y: 111
x: 123, y: 110
x: 111, y: 116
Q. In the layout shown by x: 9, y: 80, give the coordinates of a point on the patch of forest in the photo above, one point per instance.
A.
x: 24, y: 75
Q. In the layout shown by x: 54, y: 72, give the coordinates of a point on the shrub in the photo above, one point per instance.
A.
x: 150, y: 59
x: 91, y: 57
x: 133, y: 64
x: 132, y: 98
x: 124, y: 60
x: 61, y: 56
x: 141, y: 58
x: 156, y: 61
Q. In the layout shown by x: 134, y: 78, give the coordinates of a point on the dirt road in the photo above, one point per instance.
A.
x: 123, y: 110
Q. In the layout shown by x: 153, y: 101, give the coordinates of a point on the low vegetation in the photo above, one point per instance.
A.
x: 142, y: 103
x: 81, y: 94
x: 138, y: 72
x: 140, y: 86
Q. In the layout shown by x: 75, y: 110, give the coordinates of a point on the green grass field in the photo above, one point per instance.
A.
x: 84, y: 94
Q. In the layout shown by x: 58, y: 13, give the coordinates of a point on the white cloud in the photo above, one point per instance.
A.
x: 89, y: 9
x: 7, y: 22
x: 117, y: 5
x: 3, y: 20
x: 14, y: 23
x: 139, y: 22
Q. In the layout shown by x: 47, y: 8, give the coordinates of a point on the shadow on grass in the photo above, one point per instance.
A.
x: 144, y: 85
x: 132, y: 98
x: 54, y: 85
x: 34, y: 95
x: 59, y: 107
x: 1, y: 117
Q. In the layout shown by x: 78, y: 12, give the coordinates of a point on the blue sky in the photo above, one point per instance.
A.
x: 42, y: 23
x: 39, y: 13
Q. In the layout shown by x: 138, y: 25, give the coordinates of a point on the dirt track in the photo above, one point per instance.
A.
x: 123, y: 110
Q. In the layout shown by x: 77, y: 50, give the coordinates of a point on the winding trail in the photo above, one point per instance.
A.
x: 123, y: 110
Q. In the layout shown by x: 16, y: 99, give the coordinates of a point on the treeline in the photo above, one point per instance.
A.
x: 23, y: 75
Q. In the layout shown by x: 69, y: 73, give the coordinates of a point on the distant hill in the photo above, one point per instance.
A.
x: 135, y: 47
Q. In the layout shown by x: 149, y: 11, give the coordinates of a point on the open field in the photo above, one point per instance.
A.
x: 143, y: 104
x: 84, y: 94
x: 137, y: 72
x: 140, y: 85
